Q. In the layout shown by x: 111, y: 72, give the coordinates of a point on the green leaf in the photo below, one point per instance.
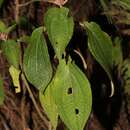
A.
x: 15, y: 77
x: 72, y: 94
x: 37, y: 66
x: 11, y: 51
x: 5, y: 29
x: 48, y: 103
x: 2, y: 26
x: 100, y: 45
x: 2, y: 95
x: 59, y: 28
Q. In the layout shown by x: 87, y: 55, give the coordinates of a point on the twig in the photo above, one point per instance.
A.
x: 22, y: 108
x: 34, y: 101
x: 27, y: 3
x: 112, y: 89
x: 78, y: 6
x: 17, y: 11
x: 59, y: 3
x: 82, y: 58
x: 4, y: 123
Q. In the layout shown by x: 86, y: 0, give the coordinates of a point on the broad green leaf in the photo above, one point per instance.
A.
x: 15, y: 77
x: 2, y: 95
x: 117, y: 52
x: 37, y: 66
x: 100, y: 45
x: 48, y: 103
x: 11, y: 51
x: 72, y: 94
x: 59, y: 28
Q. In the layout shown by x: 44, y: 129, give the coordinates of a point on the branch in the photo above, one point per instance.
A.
x: 17, y: 11
x: 27, y: 3
x: 34, y: 101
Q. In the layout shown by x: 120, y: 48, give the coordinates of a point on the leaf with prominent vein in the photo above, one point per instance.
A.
x: 48, y: 103
x: 59, y: 28
x: 72, y: 94
x: 37, y: 66
x: 100, y: 45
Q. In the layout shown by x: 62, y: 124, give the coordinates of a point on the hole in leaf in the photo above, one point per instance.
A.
x: 69, y: 91
x: 63, y: 56
x: 76, y: 111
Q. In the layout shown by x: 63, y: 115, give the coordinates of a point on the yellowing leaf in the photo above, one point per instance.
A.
x: 72, y: 94
x: 48, y: 103
x: 15, y: 77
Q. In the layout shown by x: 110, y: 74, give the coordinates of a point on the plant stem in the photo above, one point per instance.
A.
x: 82, y: 58
x: 17, y: 11
x: 30, y: 2
x: 27, y: 3
x: 34, y: 101
x: 112, y: 89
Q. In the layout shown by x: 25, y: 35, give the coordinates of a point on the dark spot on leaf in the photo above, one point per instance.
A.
x: 76, y: 111
x: 69, y: 90
x: 63, y: 56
